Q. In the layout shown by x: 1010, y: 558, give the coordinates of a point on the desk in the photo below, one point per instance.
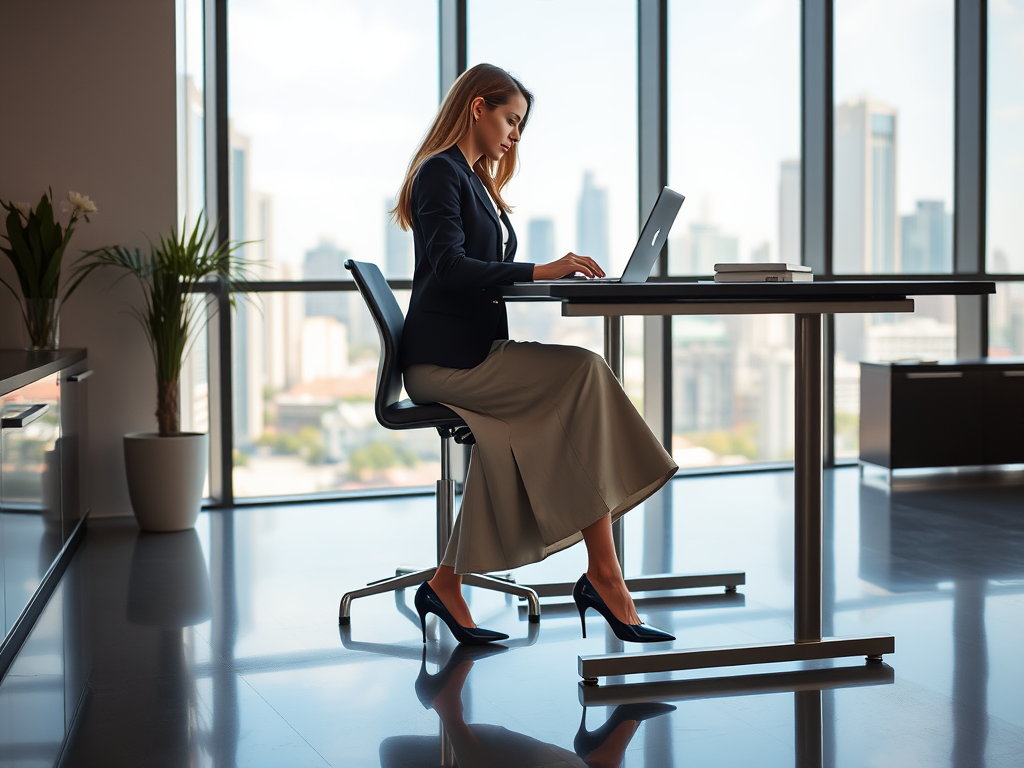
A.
x: 807, y: 302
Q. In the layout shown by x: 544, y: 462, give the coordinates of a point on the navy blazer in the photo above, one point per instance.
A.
x: 455, y: 314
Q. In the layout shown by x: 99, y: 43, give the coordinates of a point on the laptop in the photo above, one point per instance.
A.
x: 648, y: 246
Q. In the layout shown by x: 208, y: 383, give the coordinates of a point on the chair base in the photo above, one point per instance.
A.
x: 413, y: 578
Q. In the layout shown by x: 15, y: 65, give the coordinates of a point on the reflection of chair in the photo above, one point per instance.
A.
x: 395, y: 413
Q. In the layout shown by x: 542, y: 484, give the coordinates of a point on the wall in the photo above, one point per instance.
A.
x: 89, y: 106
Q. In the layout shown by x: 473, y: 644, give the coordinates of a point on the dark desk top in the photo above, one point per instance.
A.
x: 707, y: 291
x: 19, y: 367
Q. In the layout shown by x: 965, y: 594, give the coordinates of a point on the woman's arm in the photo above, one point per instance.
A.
x: 436, y: 203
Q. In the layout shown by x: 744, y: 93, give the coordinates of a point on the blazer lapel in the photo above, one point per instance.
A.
x: 481, y: 192
x: 510, y: 246
x: 485, y: 198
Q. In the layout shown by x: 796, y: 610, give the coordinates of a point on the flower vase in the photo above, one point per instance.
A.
x: 42, y: 321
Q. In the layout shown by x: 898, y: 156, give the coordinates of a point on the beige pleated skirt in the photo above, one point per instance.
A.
x: 558, y: 446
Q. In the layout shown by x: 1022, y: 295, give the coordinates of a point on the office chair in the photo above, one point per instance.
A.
x: 395, y: 413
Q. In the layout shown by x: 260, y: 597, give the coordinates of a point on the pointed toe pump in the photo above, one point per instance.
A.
x: 586, y: 597
x: 427, y: 601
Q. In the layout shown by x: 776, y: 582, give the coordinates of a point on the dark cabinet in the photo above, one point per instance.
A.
x: 916, y: 415
x: 31, y: 528
x: 45, y: 654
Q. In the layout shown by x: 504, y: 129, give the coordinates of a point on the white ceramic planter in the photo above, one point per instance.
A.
x: 165, y: 478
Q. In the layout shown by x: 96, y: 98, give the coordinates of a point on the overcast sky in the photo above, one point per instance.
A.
x: 336, y: 94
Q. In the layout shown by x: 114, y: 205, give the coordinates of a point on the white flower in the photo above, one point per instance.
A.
x: 81, y: 203
x: 24, y: 209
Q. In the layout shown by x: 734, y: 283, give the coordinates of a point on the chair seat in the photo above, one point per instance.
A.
x: 405, y: 414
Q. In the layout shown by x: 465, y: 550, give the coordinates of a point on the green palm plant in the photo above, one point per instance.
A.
x: 171, y: 316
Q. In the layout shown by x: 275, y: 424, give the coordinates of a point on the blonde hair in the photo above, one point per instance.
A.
x: 451, y: 124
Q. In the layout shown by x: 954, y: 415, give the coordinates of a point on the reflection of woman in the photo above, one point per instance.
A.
x: 560, y: 451
x: 492, y: 746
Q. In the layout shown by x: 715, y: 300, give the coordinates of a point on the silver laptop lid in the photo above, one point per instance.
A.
x: 653, y: 237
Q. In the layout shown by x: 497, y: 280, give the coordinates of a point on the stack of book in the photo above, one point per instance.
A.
x: 768, y: 272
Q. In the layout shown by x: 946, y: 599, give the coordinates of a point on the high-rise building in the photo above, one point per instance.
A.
x: 398, y: 250
x: 540, y: 240
x: 865, y: 224
x: 326, y: 262
x: 708, y: 246
x: 927, y: 239
x: 247, y: 222
x: 703, y: 370
x: 592, y: 221
x: 324, y: 348
x: 789, y: 212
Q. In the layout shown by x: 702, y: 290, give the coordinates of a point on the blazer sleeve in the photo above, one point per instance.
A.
x: 437, y: 204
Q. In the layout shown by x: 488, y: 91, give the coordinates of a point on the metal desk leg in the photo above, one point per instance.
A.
x: 807, y: 477
x: 808, y: 643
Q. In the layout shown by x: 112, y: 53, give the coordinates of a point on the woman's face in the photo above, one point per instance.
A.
x: 498, y: 129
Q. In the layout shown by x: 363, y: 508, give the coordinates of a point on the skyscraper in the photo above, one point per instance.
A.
x: 927, y: 239
x: 789, y: 212
x: 540, y: 239
x: 592, y: 222
x: 708, y: 246
x: 398, y: 251
x: 246, y: 223
x: 865, y: 224
x: 326, y: 262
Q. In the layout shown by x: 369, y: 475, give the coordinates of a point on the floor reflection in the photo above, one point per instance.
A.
x: 480, y: 745
x: 221, y: 648
x: 169, y: 590
x: 921, y: 538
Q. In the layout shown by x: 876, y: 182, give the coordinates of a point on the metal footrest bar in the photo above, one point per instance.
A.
x: 592, y: 667
x: 737, y: 685
x: 657, y: 583
x: 508, y: 587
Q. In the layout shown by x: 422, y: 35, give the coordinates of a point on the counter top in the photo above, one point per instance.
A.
x: 972, y: 364
x: 19, y: 367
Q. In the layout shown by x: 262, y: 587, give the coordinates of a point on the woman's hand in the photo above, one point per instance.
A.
x: 567, y: 265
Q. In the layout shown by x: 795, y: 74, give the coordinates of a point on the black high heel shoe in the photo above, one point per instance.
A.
x: 586, y: 742
x: 429, y: 686
x: 427, y: 601
x: 586, y: 597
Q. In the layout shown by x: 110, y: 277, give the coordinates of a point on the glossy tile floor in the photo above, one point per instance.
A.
x: 220, y: 647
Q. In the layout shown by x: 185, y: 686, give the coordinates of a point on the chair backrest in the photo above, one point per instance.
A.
x: 388, y: 318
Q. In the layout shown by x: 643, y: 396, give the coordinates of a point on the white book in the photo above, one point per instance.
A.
x: 768, y: 266
x: 764, y: 277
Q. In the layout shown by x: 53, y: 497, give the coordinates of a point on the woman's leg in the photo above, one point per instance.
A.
x: 604, y: 572
x: 448, y: 586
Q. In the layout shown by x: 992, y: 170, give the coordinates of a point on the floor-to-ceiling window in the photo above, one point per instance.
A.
x: 1005, y: 174
x: 327, y: 101
x: 194, y: 384
x: 734, y: 151
x: 892, y: 182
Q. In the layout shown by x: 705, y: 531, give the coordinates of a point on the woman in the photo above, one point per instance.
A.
x: 560, y: 451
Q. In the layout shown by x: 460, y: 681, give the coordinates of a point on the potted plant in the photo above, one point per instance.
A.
x: 36, y: 249
x: 166, y: 470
